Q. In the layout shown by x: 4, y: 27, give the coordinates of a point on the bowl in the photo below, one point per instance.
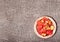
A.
x: 53, y: 22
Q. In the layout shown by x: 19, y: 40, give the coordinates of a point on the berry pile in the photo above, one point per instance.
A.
x: 44, y: 27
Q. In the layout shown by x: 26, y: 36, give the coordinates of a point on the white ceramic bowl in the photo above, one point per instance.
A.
x: 53, y: 30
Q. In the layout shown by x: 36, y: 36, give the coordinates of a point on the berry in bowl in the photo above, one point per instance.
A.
x: 45, y: 27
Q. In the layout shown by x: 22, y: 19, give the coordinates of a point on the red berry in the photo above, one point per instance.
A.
x: 39, y: 23
x: 45, y: 19
x: 39, y: 27
x: 49, y: 32
x: 42, y: 31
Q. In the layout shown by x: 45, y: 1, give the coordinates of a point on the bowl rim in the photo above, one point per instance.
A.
x: 53, y: 30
